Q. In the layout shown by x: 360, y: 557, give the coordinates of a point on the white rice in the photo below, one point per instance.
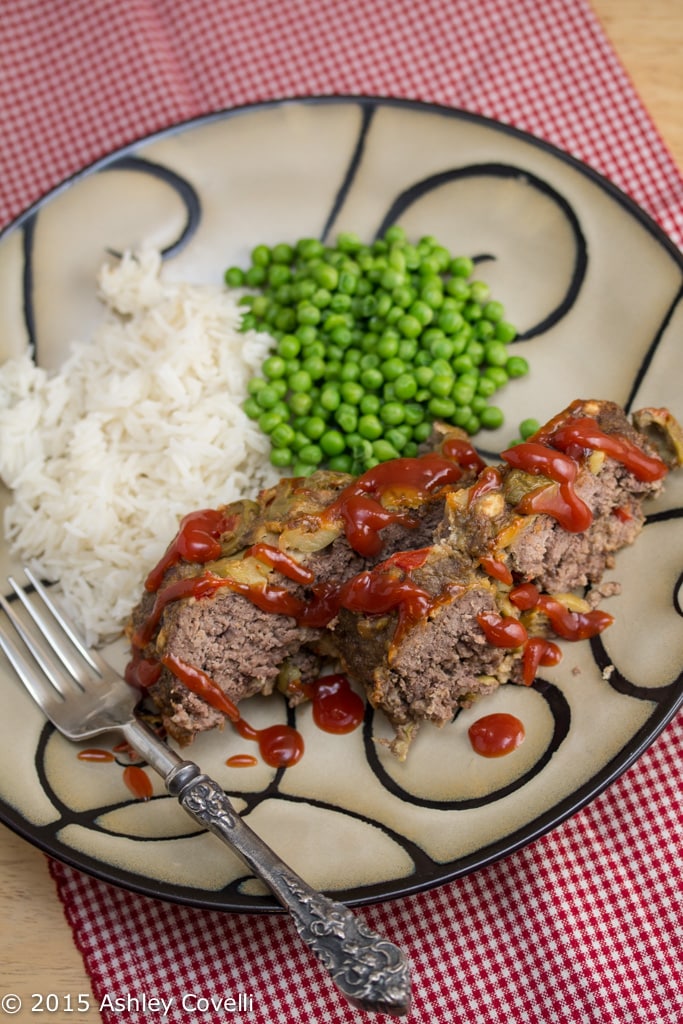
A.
x: 142, y: 424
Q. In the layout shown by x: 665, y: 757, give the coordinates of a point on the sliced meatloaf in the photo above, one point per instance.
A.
x: 426, y: 636
x: 242, y: 598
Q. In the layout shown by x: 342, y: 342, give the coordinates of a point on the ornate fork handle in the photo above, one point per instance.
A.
x: 371, y: 972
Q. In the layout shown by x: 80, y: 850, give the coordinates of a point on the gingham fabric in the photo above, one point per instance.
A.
x: 584, y: 926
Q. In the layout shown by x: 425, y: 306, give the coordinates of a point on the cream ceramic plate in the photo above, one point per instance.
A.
x: 595, y: 289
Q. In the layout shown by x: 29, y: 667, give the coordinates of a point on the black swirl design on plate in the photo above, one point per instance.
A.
x: 652, y: 349
x: 509, y: 171
x: 561, y: 714
x: 185, y: 190
x: 367, y: 113
x: 127, y: 162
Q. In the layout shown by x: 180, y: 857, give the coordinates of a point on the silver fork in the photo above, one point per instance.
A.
x: 83, y: 697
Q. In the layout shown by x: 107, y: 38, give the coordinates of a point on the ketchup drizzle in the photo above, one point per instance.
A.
x: 573, y: 625
x: 138, y: 782
x: 281, y: 561
x: 197, y: 540
x: 359, y: 505
x: 586, y: 433
x: 537, y: 652
x: 502, y: 631
x: 336, y: 707
x: 558, y: 500
x: 496, y: 735
x: 96, y: 755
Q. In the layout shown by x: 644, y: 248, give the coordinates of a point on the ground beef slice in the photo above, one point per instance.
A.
x: 557, y: 560
x: 444, y: 660
x: 440, y: 663
x: 243, y: 649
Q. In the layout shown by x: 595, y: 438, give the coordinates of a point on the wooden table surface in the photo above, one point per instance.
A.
x: 37, y: 952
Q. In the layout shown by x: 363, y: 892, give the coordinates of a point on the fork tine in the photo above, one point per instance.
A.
x: 45, y: 646
x: 92, y: 658
x: 46, y: 695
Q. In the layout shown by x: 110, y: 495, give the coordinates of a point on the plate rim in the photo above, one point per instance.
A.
x: 663, y: 713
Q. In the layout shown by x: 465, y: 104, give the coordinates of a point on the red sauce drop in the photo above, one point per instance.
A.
x: 280, y: 746
x: 502, y: 631
x: 197, y: 540
x: 406, y: 561
x: 241, y: 761
x: 559, y: 499
x: 496, y: 568
x: 585, y: 433
x: 463, y: 452
x: 496, y: 735
x: 96, y: 755
x: 489, y: 480
x: 142, y: 672
x: 573, y: 625
x: 269, y: 597
x: 359, y: 505
x: 201, y: 684
x: 525, y: 596
x: 537, y: 652
x: 138, y: 782
x: 336, y: 707
x: 281, y: 561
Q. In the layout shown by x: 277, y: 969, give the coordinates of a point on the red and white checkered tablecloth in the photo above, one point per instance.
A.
x: 585, y: 924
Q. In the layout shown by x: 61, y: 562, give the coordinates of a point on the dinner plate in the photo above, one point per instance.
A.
x: 595, y: 289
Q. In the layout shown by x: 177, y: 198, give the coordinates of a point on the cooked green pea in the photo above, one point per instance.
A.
x: 234, y: 277
x: 330, y: 397
x: 496, y: 353
x: 370, y: 403
x: 405, y: 386
x: 441, y: 408
x: 252, y: 408
x: 332, y: 442
x: 491, y: 417
x: 505, y: 331
x: 370, y: 427
x: 281, y: 457
x: 340, y: 463
x: 393, y: 368
x: 267, y: 397
x: 260, y: 256
x: 528, y: 427
x: 392, y: 413
x: 269, y: 420
x: 352, y: 391
x: 289, y: 346
x: 421, y: 431
x: 486, y: 387
x: 311, y: 453
x: 371, y: 379
x: 283, y: 435
x: 441, y: 384
x: 255, y: 276
x: 497, y: 374
x: 347, y: 417
x: 517, y: 366
x: 461, y: 266
x: 300, y: 403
